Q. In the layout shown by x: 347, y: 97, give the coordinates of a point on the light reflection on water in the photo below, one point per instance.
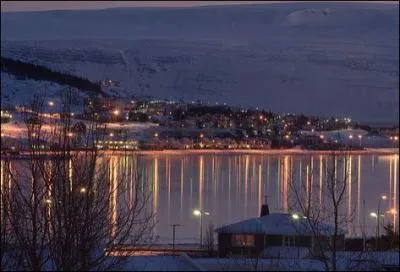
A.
x: 233, y: 187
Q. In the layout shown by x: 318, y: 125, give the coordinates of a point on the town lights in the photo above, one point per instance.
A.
x: 111, y: 134
x: 51, y: 103
x: 392, y: 211
x: 156, y: 134
x: 350, y: 136
x: 116, y: 112
x: 321, y: 136
x: 70, y: 134
x: 82, y: 190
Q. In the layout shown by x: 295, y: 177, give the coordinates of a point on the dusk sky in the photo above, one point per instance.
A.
x: 9, y: 6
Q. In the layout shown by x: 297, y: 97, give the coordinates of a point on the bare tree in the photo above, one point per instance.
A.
x: 209, y: 240
x: 322, y: 205
x: 71, y: 206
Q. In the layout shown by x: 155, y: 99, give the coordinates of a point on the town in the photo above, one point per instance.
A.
x: 147, y: 123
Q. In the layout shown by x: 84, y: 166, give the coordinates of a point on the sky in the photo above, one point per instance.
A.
x: 10, y: 6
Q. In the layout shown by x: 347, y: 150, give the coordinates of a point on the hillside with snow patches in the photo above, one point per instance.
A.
x: 317, y: 58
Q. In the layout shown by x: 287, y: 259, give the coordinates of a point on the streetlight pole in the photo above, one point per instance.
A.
x: 200, y: 214
x: 377, y: 215
x: 173, y: 236
x: 351, y: 141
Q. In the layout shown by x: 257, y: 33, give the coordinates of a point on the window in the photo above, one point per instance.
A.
x: 287, y: 241
x: 243, y: 240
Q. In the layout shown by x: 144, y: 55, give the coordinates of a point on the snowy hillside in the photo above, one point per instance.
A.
x: 317, y: 58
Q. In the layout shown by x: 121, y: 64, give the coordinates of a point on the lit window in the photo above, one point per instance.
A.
x: 242, y: 240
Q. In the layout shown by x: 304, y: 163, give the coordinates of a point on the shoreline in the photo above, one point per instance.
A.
x: 368, y: 151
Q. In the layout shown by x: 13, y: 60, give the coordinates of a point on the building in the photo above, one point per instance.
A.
x: 255, y: 236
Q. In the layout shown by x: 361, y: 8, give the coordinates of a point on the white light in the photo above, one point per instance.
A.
x: 196, y: 212
x: 82, y: 190
x: 384, y: 197
x: 51, y: 103
x: 373, y: 215
x: 295, y: 216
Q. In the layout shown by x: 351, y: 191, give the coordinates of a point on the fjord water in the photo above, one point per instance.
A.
x: 233, y: 187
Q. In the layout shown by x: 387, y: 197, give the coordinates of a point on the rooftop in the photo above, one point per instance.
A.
x: 275, y: 224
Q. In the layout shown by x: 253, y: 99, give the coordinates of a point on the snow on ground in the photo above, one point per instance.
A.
x: 157, y: 263
x: 317, y: 58
x: 356, y: 261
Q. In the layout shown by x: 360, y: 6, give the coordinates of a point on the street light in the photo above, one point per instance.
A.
x: 173, y: 236
x: 51, y: 103
x: 360, y: 137
x: 351, y: 140
x: 200, y: 214
x: 377, y: 215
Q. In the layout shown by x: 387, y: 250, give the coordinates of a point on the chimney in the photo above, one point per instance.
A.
x: 264, y: 208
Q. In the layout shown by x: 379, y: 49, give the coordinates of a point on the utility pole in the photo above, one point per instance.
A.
x: 173, y: 236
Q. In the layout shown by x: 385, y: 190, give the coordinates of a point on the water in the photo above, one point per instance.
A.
x: 233, y: 187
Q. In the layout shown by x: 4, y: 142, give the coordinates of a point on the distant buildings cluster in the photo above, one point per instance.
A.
x: 195, y: 125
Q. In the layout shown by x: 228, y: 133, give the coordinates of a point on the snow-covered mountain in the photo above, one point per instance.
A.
x: 318, y: 58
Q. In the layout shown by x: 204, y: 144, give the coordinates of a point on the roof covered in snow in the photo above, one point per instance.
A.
x: 276, y: 224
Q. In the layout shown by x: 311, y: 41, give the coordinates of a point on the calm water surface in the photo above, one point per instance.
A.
x: 232, y: 188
